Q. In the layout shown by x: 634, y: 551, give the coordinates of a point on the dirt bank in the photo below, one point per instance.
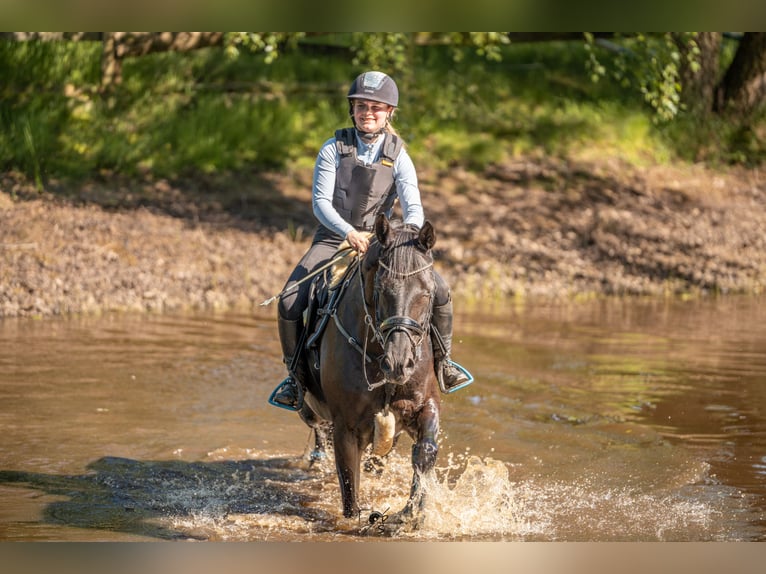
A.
x: 535, y: 227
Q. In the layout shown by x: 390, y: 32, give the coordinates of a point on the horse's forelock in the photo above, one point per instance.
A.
x: 402, y: 253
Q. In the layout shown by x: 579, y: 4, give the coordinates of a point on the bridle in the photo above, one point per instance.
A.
x: 414, y: 329
x: 381, y: 329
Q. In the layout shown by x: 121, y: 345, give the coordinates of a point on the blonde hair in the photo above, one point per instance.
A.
x: 390, y: 129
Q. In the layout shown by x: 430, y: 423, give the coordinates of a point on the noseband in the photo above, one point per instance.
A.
x: 402, y: 323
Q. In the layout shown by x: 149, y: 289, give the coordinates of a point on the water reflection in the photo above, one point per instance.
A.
x: 686, y: 376
x: 603, y: 420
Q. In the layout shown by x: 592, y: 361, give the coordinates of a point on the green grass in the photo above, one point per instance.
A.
x: 177, y: 114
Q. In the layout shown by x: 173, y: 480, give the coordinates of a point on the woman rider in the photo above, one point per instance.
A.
x: 358, y: 174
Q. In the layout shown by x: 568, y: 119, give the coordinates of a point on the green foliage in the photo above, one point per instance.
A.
x: 470, y: 100
x: 650, y: 64
x: 471, y: 112
x: 34, y: 109
x: 381, y: 51
x: 717, y: 140
x: 173, y: 113
x: 266, y: 43
x: 394, y: 51
x: 487, y: 44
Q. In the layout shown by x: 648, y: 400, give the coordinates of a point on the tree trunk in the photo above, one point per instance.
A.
x: 142, y: 43
x: 120, y: 45
x: 699, y: 86
x: 743, y: 88
x: 111, y: 65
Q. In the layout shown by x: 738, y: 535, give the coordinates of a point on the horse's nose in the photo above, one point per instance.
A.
x: 397, y: 371
x: 386, y: 366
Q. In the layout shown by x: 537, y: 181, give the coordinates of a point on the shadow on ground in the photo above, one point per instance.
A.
x: 248, y: 201
x: 145, y: 497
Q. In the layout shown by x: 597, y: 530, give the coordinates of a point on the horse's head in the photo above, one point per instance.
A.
x: 402, y: 291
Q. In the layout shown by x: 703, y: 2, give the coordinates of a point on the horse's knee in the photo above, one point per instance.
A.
x: 424, y: 455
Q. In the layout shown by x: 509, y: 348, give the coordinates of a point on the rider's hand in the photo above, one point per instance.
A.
x: 358, y: 240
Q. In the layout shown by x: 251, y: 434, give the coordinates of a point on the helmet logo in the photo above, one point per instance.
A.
x: 373, y: 80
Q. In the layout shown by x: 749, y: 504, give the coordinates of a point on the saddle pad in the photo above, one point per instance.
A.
x: 338, y: 269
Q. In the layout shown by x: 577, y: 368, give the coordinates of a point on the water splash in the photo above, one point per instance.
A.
x: 479, y: 502
x: 279, y: 498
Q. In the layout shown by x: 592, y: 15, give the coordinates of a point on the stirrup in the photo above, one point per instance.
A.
x: 287, y: 384
x: 462, y: 369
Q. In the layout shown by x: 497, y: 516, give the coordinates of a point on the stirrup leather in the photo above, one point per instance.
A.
x: 287, y: 386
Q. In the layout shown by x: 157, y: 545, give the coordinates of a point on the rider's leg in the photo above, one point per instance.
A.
x: 449, y: 376
x: 289, y: 393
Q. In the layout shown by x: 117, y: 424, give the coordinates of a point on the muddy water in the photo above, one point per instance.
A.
x: 592, y: 421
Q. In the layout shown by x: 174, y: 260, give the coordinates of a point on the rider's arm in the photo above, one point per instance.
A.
x: 406, y: 179
x: 323, y: 188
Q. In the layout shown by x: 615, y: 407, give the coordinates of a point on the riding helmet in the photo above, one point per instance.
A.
x: 375, y: 86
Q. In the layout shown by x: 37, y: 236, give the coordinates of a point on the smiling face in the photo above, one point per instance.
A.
x: 370, y: 116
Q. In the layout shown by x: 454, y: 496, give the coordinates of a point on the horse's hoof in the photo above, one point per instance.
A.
x: 315, y: 460
x: 317, y: 455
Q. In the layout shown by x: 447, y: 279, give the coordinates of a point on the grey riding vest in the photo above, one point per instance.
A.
x: 364, y: 191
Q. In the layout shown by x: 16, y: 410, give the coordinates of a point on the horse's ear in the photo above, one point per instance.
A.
x: 382, y: 228
x: 427, y: 236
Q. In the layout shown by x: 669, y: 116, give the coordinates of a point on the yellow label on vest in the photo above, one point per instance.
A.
x: 387, y: 163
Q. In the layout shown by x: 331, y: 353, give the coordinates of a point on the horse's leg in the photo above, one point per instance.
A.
x: 320, y: 431
x: 424, y: 450
x: 347, y: 463
x: 424, y: 453
x: 316, y: 450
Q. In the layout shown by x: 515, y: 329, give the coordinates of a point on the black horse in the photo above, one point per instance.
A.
x: 375, y: 377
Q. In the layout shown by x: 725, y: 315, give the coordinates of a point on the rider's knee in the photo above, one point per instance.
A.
x: 289, y: 308
x: 442, y: 294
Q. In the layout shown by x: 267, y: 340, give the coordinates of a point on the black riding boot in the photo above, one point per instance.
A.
x: 289, y: 393
x: 450, y: 377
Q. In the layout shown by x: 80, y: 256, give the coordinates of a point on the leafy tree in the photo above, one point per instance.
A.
x: 676, y: 71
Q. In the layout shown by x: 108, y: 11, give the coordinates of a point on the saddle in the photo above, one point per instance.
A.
x: 325, y: 294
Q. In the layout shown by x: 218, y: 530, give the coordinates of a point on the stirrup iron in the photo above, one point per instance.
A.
x: 287, y: 381
x: 460, y: 368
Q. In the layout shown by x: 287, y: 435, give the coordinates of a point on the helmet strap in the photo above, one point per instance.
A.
x: 369, y: 137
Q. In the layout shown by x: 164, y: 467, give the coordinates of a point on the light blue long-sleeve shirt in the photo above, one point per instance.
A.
x: 327, y: 162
